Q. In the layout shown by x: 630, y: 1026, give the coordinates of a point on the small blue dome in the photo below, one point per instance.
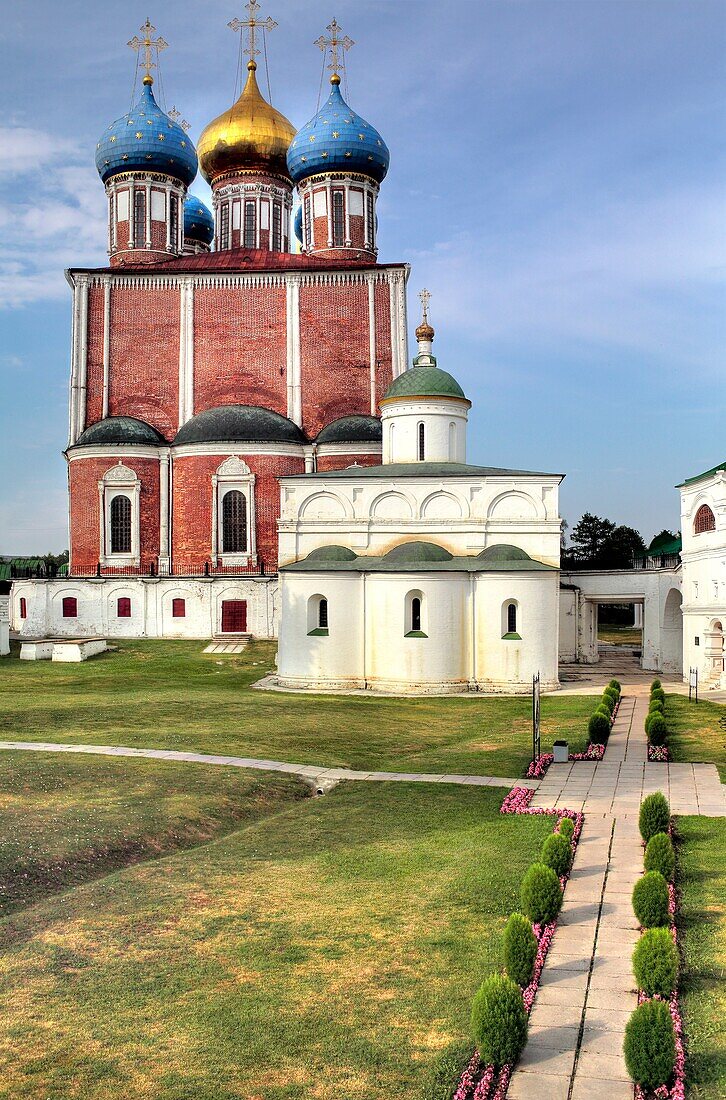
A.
x: 298, y: 224
x: 146, y: 138
x: 337, y: 140
x: 198, y: 221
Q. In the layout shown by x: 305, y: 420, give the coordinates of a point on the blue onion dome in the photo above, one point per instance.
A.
x: 146, y: 139
x: 337, y: 140
x: 198, y: 221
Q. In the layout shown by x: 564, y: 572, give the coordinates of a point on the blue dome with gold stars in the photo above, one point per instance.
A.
x: 146, y: 138
x: 198, y: 221
x: 337, y: 140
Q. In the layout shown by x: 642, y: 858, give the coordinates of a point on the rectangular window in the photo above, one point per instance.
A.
x: 338, y: 220
x: 178, y: 609
x: 370, y: 221
x: 172, y: 221
x: 249, y: 237
x: 23, y: 608
x: 139, y: 217
x: 123, y: 608
x: 308, y: 227
x: 70, y: 607
x: 224, y: 226
x: 276, y: 227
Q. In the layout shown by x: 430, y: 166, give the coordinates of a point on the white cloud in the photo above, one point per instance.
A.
x: 24, y: 150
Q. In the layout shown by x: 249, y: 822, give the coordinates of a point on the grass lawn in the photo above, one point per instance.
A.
x: 694, y: 733
x: 168, y: 695
x: 329, y: 950
x: 67, y: 820
x: 702, y: 880
x: 620, y: 635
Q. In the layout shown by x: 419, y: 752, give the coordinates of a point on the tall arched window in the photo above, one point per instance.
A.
x: 250, y: 233
x: 308, y: 224
x: 276, y: 227
x: 421, y: 443
x: 512, y: 618
x: 23, y: 608
x: 224, y: 226
x: 323, y: 614
x: 704, y: 521
x: 120, y: 525
x: 317, y: 619
x: 414, y: 615
x: 370, y: 221
x: 172, y: 221
x: 338, y: 220
x: 139, y: 217
x: 234, y: 523
x: 452, y: 442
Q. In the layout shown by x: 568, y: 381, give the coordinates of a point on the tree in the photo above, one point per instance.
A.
x: 620, y: 546
x: 588, y: 539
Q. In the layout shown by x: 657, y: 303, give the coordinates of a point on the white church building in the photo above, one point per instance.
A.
x: 703, y: 527
x: 423, y: 574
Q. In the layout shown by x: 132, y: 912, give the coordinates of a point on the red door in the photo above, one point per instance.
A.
x: 234, y: 616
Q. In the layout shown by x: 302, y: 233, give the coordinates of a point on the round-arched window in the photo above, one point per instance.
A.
x: 120, y: 525
x: 234, y: 523
x: 704, y: 521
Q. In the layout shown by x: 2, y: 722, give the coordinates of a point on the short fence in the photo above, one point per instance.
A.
x: 255, y: 567
x: 658, y: 561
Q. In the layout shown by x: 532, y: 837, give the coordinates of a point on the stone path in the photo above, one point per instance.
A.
x: 311, y: 772
x: 587, y: 991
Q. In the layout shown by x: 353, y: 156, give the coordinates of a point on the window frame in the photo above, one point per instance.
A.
x: 318, y: 609
x: 66, y: 602
x: 511, y: 617
x: 23, y: 608
x: 276, y: 227
x: 337, y: 218
x: 139, y: 217
x: 239, y: 523
x: 119, y: 480
x: 123, y: 607
x: 176, y: 613
x: 706, y: 512
x: 120, y: 527
x: 415, y: 615
x: 224, y: 224
x: 421, y: 441
x: 233, y: 474
x: 249, y: 224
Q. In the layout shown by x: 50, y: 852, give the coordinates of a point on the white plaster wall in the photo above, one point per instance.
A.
x: 704, y: 580
x: 151, y: 607
x: 438, y: 662
x: 4, y: 626
x: 569, y: 624
x: 506, y: 664
x: 335, y: 661
x: 464, y: 514
x: 400, y: 421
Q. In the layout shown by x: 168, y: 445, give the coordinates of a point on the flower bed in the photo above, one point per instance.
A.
x: 658, y: 754
x: 539, y: 766
x: 480, y: 1081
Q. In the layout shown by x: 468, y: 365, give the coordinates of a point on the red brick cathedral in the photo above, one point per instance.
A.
x: 210, y: 357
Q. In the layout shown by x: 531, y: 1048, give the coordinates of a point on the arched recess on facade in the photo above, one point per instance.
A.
x: 325, y: 506
x: 671, y: 649
x: 515, y: 505
x: 393, y: 505
x: 443, y: 505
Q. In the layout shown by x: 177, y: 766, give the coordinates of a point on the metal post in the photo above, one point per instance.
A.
x: 536, y: 740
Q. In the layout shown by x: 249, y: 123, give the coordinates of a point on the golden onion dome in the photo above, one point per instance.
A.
x: 250, y: 137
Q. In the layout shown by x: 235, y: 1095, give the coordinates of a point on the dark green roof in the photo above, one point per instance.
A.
x: 239, y: 424
x: 660, y: 547
x: 426, y: 469
x: 352, y: 429
x: 419, y: 557
x: 700, y: 477
x: 120, y: 429
x: 424, y: 381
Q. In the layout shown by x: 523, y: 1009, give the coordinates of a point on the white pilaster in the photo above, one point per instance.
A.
x: 164, y: 513
x: 148, y: 215
x: 372, y: 340
x: 82, y: 354
x: 106, y: 343
x: 186, y: 351
x: 294, y: 385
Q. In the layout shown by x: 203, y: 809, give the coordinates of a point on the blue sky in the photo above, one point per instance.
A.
x: 557, y: 182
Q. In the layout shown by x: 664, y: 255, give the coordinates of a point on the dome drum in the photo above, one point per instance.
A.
x: 338, y: 214
x: 146, y: 218
x: 252, y: 211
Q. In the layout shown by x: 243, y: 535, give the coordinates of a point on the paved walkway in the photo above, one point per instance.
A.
x: 587, y: 991
x: 310, y: 772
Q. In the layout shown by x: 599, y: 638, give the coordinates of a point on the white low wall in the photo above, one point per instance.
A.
x: 151, y: 606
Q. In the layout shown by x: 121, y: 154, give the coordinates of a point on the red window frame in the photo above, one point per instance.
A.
x: 23, y: 608
x: 178, y: 608
x: 70, y: 607
x: 123, y: 607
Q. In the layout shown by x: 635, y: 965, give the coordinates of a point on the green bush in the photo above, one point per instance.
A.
x: 655, y: 962
x: 566, y: 827
x: 655, y: 684
x: 656, y: 705
x: 541, y: 893
x: 611, y: 693
x: 650, y: 1045
x: 657, y: 729
x: 608, y: 702
x: 657, y: 693
x: 650, y: 900
x: 556, y: 853
x: 601, y: 708
x: 520, y: 949
x: 598, y: 728
x: 446, y: 1071
x: 615, y: 684
x: 655, y: 815
x: 499, y: 1020
x: 659, y: 856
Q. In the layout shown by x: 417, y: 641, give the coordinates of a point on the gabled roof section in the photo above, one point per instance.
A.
x: 425, y: 469
x: 700, y: 477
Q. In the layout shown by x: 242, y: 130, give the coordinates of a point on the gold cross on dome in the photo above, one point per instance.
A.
x: 148, y: 45
x: 424, y: 296
x: 175, y: 115
x: 338, y: 44
x: 252, y: 23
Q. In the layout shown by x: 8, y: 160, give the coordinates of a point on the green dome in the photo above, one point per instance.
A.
x: 424, y: 381
x: 239, y: 424
x: 417, y: 551
x: 120, y: 429
x: 331, y: 553
x: 352, y: 429
x: 503, y: 551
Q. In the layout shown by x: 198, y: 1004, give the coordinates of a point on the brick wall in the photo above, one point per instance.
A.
x: 84, y: 476
x: 341, y: 462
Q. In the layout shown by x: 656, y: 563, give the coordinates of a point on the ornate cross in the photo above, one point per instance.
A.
x: 338, y: 44
x: 252, y: 24
x: 175, y: 115
x: 148, y: 45
x: 424, y: 296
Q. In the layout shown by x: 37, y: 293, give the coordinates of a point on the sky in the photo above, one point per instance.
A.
x: 556, y: 182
